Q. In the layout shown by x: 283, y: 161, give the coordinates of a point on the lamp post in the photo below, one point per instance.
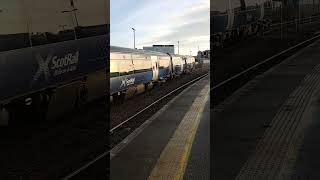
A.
x: 75, y: 15
x: 178, y: 47
x: 74, y: 29
x: 134, y: 38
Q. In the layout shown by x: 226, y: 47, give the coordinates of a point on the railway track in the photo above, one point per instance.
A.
x: 296, y: 22
x: 223, y: 89
x: 123, y: 126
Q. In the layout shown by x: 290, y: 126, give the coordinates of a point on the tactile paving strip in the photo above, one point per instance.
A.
x: 281, y: 138
x: 173, y: 159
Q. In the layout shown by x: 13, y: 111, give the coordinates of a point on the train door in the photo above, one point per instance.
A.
x: 155, y: 68
x: 183, y: 65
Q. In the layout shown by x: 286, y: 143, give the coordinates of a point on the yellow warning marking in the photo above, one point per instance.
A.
x: 173, y: 159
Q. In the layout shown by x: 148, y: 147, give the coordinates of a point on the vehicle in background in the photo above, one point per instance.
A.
x: 134, y: 71
x: 233, y: 20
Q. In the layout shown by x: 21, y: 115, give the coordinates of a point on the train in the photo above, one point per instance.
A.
x: 132, y: 69
x: 235, y: 19
x: 53, y: 57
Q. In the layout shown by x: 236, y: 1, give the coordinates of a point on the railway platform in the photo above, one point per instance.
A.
x: 269, y: 128
x: 173, y: 143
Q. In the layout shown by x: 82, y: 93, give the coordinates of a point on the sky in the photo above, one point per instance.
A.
x: 161, y: 22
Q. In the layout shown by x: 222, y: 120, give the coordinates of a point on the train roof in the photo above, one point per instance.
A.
x: 117, y: 49
x: 124, y: 50
x: 136, y: 51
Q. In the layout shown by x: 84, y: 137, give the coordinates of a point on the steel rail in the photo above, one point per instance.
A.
x: 263, y: 62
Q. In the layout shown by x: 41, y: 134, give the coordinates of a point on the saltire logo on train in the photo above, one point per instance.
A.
x: 53, y: 66
x: 127, y: 82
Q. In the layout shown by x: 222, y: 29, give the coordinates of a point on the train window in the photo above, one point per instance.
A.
x: 114, y: 74
x: 90, y: 19
x: 251, y: 3
x: 114, y: 68
x: 165, y: 62
x: 219, y: 7
x: 142, y: 65
x: 14, y: 32
x: 125, y: 67
x: 235, y: 4
x: 48, y: 23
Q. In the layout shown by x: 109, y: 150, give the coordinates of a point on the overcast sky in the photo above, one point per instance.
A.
x: 161, y: 22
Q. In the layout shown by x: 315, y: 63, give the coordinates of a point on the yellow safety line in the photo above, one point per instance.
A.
x: 174, y: 158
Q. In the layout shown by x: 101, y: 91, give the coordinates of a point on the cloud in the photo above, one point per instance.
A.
x: 164, y: 22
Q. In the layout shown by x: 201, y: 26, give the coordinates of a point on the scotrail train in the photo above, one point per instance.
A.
x: 134, y: 70
x: 234, y: 19
x: 53, y: 57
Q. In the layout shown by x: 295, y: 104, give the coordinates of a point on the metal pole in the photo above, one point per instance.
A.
x: 74, y: 28
x: 74, y: 11
x: 299, y: 10
x: 28, y: 24
x: 75, y: 16
x: 281, y: 19
x: 134, y: 38
x: 298, y: 19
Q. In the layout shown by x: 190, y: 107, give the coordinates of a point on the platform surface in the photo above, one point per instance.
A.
x: 268, y: 128
x: 174, y: 142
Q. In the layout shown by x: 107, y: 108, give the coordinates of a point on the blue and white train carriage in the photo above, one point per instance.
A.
x: 131, y: 70
x: 48, y: 64
x: 237, y: 18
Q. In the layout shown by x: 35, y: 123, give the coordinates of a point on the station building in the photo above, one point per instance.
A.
x: 160, y: 48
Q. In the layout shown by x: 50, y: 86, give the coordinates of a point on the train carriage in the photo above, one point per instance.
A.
x: 163, y: 64
x: 190, y: 60
x: 48, y: 64
x: 129, y: 68
x: 177, y: 64
x: 233, y: 19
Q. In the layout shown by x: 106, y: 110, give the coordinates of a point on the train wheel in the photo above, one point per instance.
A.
x: 148, y: 86
x: 119, y: 98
